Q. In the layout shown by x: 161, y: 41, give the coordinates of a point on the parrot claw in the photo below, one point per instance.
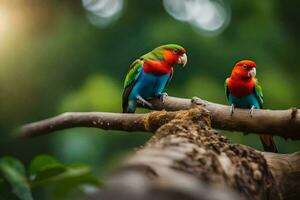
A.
x: 143, y: 102
x: 197, y: 101
x: 162, y: 96
x: 231, y: 109
x: 251, y: 111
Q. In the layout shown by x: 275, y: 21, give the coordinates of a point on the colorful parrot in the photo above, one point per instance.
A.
x: 244, y: 91
x: 149, y: 75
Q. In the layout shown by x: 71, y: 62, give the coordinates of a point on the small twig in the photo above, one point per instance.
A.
x: 108, y: 121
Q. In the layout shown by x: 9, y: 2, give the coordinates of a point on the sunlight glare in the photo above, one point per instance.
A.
x: 5, y: 24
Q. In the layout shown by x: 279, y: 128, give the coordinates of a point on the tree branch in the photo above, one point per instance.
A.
x: 286, y: 170
x: 284, y: 123
x: 186, y: 159
x: 107, y: 121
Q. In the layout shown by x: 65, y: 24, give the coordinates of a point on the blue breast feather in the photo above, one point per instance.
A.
x: 245, y: 102
x: 148, y: 85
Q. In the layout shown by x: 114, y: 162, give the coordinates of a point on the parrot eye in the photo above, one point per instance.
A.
x: 244, y: 66
x: 175, y: 51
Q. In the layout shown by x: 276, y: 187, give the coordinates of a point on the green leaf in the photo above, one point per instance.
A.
x: 13, y: 172
x: 73, y: 171
x: 76, y: 176
x: 46, y: 170
x: 43, y: 168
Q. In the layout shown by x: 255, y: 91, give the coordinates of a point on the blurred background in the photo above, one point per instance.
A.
x: 63, y: 55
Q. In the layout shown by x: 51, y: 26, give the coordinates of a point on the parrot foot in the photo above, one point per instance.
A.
x: 251, y: 111
x: 143, y: 102
x: 162, y: 96
x: 231, y: 109
x: 197, y: 101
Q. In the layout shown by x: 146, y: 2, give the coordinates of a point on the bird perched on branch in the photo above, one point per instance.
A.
x: 149, y: 75
x: 244, y: 91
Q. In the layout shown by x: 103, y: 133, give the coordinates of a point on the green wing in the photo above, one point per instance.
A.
x: 258, y: 92
x: 134, y: 72
x: 130, y: 80
x: 226, y: 88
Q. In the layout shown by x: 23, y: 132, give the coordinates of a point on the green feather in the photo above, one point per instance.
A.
x: 170, y: 46
x: 157, y: 53
x: 226, y: 88
x: 258, y: 92
x: 134, y: 72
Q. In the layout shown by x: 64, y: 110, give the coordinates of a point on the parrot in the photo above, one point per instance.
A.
x: 148, y: 76
x: 243, y: 90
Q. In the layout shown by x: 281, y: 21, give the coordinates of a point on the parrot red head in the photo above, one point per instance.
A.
x: 162, y: 59
x: 245, y: 69
x: 171, y: 53
x: 175, y: 56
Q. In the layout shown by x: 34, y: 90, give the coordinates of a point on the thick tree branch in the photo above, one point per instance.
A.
x: 186, y: 159
x: 284, y: 123
x: 286, y: 170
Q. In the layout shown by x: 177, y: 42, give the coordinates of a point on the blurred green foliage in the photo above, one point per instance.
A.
x: 53, y: 60
x: 44, y: 170
x: 12, y: 173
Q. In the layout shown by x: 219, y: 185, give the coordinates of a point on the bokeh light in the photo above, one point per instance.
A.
x: 103, y: 12
x: 7, y: 28
x: 4, y: 21
x: 210, y: 17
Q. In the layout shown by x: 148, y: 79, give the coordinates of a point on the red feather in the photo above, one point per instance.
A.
x: 239, y: 83
x: 157, y: 67
x: 165, y: 66
x: 240, y: 87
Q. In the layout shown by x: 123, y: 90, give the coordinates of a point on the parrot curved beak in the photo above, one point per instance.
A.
x: 182, y: 59
x: 252, y: 72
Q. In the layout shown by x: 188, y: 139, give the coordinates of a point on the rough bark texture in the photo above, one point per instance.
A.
x: 286, y: 170
x: 284, y: 123
x: 186, y: 159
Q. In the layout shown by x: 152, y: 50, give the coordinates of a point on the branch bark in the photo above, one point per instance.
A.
x: 107, y: 121
x: 186, y: 159
x: 284, y: 123
x: 286, y: 170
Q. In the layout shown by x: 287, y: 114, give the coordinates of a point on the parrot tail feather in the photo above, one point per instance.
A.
x: 268, y: 143
x: 129, y: 107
